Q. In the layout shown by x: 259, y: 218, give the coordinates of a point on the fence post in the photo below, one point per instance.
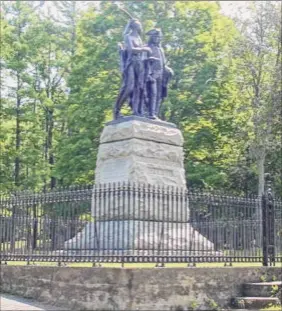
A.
x: 268, y: 225
x: 35, y: 226
x: 12, y: 233
x: 271, y: 216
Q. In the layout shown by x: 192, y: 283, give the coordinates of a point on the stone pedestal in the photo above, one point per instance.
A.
x: 139, y: 150
x: 140, y: 235
x: 145, y: 152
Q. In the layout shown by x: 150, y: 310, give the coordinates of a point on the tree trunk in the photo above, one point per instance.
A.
x: 45, y: 156
x: 260, y: 167
x: 50, y: 145
x: 18, y: 135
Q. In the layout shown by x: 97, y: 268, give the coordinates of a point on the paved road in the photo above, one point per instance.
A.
x: 13, y: 303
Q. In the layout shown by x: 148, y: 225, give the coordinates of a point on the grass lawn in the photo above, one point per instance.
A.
x: 22, y: 244
x: 138, y: 265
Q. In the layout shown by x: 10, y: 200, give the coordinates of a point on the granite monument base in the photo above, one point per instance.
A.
x: 133, y: 235
x: 139, y: 150
x: 147, y: 152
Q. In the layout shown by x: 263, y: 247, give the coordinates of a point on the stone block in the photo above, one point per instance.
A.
x: 140, y: 203
x: 142, y: 152
x: 142, y: 128
x: 261, y: 289
x: 161, y: 237
x: 255, y: 303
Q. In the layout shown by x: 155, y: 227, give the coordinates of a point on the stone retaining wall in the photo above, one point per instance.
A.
x: 131, y: 289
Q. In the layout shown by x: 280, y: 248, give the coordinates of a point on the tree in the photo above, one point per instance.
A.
x: 93, y: 85
x: 18, y: 40
x: 64, y: 80
x: 258, y: 56
x: 199, y: 89
x: 36, y: 62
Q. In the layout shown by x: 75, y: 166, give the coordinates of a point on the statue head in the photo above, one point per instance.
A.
x: 133, y: 24
x: 155, y: 36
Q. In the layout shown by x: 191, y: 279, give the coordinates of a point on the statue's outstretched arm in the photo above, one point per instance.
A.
x: 132, y: 48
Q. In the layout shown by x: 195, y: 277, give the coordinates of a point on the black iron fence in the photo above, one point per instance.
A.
x: 139, y: 223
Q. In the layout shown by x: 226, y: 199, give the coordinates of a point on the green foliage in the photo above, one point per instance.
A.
x: 274, y: 290
x: 95, y: 80
x: 258, y: 65
x: 213, y: 305
x: 17, y: 139
x: 193, y: 305
x: 65, y: 78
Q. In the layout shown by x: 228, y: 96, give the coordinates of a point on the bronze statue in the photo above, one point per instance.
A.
x: 157, y: 74
x: 144, y: 72
x: 132, y: 56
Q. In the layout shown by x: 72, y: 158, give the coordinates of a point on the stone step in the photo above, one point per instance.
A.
x: 256, y: 303
x: 261, y: 289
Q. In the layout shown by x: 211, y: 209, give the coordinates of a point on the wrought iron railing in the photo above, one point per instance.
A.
x: 137, y: 223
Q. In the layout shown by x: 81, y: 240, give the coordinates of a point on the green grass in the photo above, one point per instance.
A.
x: 272, y: 308
x: 137, y: 265
x: 21, y: 245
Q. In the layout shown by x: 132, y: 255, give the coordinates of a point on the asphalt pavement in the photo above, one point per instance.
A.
x: 14, y: 303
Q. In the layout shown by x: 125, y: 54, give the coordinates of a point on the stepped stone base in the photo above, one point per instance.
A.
x: 150, y: 256
x: 148, y: 152
x: 139, y: 235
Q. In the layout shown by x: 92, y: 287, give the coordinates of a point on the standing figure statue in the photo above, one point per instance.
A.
x: 157, y: 74
x: 132, y: 65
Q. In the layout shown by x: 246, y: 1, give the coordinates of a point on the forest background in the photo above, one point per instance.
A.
x: 60, y: 78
